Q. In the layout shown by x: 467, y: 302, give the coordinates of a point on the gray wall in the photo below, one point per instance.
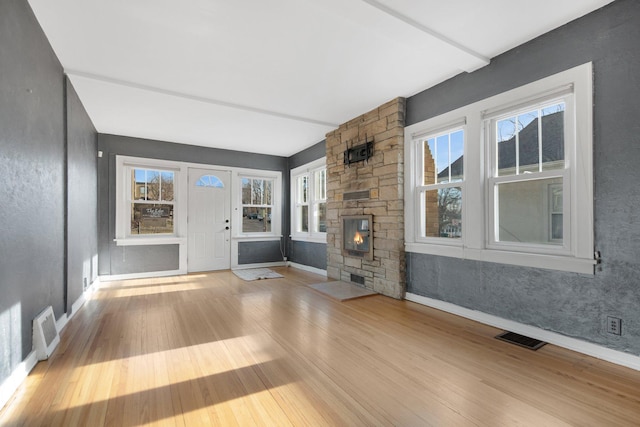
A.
x: 257, y: 252
x: 114, y: 259
x: 306, y: 253
x: 33, y: 172
x: 571, y: 304
x: 309, y: 253
x: 82, y: 198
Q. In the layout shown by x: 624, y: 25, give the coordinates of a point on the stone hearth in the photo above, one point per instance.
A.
x: 371, y: 187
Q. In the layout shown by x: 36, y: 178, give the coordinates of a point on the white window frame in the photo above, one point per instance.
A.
x: 308, y: 170
x: 276, y: 204
x: 124, y: 166
x: 577, y: 255
x: 421, y: 188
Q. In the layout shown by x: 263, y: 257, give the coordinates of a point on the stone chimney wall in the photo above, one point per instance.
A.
x: 381, y: 178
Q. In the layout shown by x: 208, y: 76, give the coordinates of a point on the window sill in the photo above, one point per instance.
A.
x: 257, y: 238
x: 548, y: 262
x: 141, y: 241
x: 310, y: 239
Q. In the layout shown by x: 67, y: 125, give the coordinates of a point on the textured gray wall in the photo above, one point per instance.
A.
x: 309, y: 253
x: 82, y: 198
x: 306, y: 253
x: 33, y: 174
x: 571, y: 304
x: 32, y: 158
x: 257, y: 252
x: 114, y: 259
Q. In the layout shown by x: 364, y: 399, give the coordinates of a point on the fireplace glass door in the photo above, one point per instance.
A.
x: 357, y: 233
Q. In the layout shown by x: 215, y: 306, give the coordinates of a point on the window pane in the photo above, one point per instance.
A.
x: 151, y: 218
x: 524, y: 211
x: 321, y: 185
x: 138, y: 184
x: 153, y: 185
x: 303, y: 218
x: 521, y: 147
x: 256, y: 220
x: 506, y: 140
x: 457, y: 152
x: 268, y: 192
x: 429, y: 162
x: 257, y: 192
x: 555, y: 208
x: 443, y: 212
x: 246, y: 191
x: 553, y: 137
x: 442, y: 158
x: 321, y: 218
x: 302, y: 189
x: 167, y: 186
x: 528, y: 142
x: 556, y: 226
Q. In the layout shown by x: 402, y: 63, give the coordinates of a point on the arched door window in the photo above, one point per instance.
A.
x: 209, y: 181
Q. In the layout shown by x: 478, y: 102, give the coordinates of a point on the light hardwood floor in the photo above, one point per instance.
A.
x: 211, y: 349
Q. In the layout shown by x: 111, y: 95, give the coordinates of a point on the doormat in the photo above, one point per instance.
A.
x: 256, y: 274
x: 342, y: 291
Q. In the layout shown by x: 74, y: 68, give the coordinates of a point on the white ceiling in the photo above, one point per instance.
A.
x: 274, y: 76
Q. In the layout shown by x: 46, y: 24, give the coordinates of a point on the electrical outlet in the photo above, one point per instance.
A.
x: 614, y: 325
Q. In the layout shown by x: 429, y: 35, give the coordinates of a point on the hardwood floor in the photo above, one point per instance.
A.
x: 211, y: 349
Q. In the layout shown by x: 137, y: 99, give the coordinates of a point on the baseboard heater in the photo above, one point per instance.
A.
x: 45, y: 334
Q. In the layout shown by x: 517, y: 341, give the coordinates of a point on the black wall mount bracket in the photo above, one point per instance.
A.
x: 358, y: 153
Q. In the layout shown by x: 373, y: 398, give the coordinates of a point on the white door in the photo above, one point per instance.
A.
x: 209, y: 220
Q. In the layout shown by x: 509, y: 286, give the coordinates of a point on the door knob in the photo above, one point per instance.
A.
x: 226, y: 228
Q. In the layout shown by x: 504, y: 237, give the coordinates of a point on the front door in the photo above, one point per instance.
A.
x: 209, y: 220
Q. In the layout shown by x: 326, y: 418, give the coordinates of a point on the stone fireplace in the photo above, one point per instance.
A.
x: 370, y: 190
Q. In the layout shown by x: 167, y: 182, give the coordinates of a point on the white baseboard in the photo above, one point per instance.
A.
x: 308, y: 268
x: 259, y: 265
x: 109, y: 278
x: 590, y: 349
x: 11, y: 384
x: 62, y: 322
x: 83, y: 298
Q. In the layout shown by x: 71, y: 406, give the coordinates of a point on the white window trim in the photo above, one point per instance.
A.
x: 276, y: 203
x: 458, y: 124
x: 124, y: 164
x: 474, y: 243
x: 306, y: 169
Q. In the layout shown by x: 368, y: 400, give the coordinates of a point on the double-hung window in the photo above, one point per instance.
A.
x: 257, y: 204
x: 149, y: 206
x: 309, y: 201
x: 507, y: 179
x: 151, y: 198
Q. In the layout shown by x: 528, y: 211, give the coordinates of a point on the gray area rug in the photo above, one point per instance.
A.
x: 256, y: 274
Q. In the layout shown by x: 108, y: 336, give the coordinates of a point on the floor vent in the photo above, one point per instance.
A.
x: 357, y: 279
x: 45, y: 334
x: 521, y: 340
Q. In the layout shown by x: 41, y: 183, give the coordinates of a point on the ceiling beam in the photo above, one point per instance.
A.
x: 206, y: 100
x: 478, y: 58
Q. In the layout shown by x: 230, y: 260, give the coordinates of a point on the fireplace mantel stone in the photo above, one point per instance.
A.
x: 383, y: 177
